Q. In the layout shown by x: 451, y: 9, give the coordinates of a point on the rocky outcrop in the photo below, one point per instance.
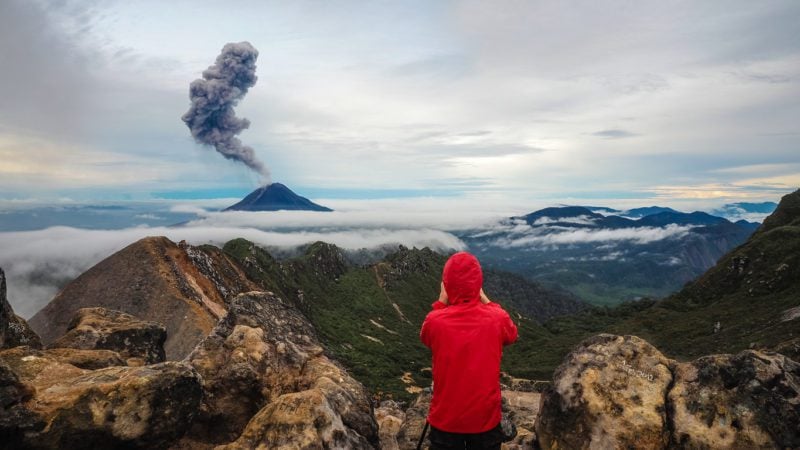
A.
x: 749, y: 400
x: 620, y: 392
x: 47, y: 403
x: 520, y: 410
x: 390, y: 417
x: 610, y: 392
x: 107, y: 329
x: 14, y: 331
x: 184, y: 288
x: 268, y: 383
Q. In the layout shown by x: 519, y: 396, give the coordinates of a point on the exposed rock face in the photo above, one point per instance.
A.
x: 14, y: 330
x: 51, y: 404
x: 610, y: 392
x: 619, y: 392
x: 268, y: 382
x: 107, y: 329
x: 750, y: 400
x: 183, y: 287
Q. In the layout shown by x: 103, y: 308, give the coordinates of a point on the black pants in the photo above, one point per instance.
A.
x: 488, y: 440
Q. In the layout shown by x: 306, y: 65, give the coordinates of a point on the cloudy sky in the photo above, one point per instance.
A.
x: 656, y: 102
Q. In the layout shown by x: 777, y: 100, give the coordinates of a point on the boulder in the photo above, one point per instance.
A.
x: 390, y: 417
x: 107, y: 329
x: 414, y: 423
x: 750, y: 400
x: 268, y: 383
x: 610, y: 392
x: 14, y: 331
x: 53, y: 404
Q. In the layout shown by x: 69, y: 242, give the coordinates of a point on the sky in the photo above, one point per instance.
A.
x: 517, y: 102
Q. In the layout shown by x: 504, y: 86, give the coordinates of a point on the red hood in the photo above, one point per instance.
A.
x: 462, y: 278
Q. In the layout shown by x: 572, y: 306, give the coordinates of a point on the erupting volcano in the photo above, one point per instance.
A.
x: 275, y: 197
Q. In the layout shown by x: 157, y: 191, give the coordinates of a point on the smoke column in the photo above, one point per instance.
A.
x: 211, y: 117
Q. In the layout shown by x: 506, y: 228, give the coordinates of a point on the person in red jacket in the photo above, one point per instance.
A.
x: 466, y: 333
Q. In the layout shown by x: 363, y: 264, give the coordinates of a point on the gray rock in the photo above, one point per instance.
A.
x: 748, y: 400
x: 107, y: 329
x: 14, y: 331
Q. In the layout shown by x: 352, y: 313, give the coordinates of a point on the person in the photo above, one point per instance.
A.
x: 466, y: 333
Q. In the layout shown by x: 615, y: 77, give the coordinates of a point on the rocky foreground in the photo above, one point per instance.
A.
x: 261, y: 378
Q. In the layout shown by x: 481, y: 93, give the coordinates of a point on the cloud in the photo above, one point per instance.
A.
x: 554, y: 236
x: 38, y: 263
x: 578, y: 220
x: 614, y: 134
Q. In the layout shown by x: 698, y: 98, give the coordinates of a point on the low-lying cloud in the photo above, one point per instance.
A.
x: 569, y: 236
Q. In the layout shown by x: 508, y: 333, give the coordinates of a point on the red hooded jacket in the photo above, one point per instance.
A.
x: 466, y: 338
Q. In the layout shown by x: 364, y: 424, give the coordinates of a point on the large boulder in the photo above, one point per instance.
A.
x: 14, y: 331
x: 268, y: 383
x: 750, y: 400
x: 52, y: 404
x: 107, y: 329
x: 610, y: 392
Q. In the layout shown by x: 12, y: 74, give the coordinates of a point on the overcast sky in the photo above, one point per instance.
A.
x: 657, y: 101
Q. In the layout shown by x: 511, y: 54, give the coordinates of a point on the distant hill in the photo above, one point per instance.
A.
x: 608, y: 259
x: 647, y: 211
x: 275, y: 197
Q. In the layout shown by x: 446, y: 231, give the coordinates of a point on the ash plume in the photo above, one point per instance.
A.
x: 211, y: 117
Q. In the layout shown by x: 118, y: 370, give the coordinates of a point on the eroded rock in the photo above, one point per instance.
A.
x: 14, y: 330
x: 610, y: 392
x: 107, y: 329
x: 750, y: 400
x: 268, y: 383
x: 390, y: 417
x: 58, y: 405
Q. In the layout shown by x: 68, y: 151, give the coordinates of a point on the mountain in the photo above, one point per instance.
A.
x: 647, y: 211
x: 275, y: 197
x: 607, y: 259
x: 155, y: 279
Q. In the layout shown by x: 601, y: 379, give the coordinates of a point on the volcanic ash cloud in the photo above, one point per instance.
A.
x: 211, y: 117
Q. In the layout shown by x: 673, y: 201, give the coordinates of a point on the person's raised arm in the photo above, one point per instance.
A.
x: 510, y: 333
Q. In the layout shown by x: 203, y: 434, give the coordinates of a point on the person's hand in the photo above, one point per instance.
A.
x: 484, y: 298
x: 443, y: 295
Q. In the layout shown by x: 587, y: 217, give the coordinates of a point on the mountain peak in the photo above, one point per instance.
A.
x: 275, y: 197
x: 787, y: 212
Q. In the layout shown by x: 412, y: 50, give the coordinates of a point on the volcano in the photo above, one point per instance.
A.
x: 275, y: 197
